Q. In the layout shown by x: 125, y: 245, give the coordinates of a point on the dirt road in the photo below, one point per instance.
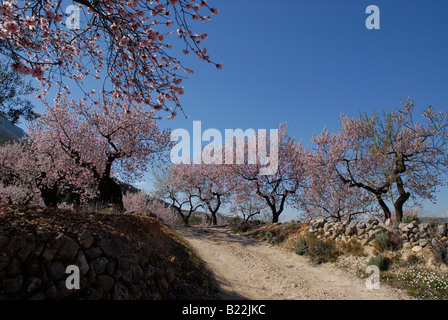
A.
x: 249, y: 269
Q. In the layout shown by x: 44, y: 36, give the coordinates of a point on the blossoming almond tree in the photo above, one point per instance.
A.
x: 393, y: 156
x: 170, y: 185
x: 326, y: 195
x: 278, y: 188
x: 125, y: 45
x: 212, y: 184
x: 247, y: 203
x: 41, y: 172
x: 114, y: 138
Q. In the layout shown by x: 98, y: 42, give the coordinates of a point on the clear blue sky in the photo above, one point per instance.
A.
x: 304, y: 62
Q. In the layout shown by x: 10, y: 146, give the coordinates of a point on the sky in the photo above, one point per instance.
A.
x: 305, y: 61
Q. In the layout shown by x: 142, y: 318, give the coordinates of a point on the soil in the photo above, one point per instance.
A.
x: 246, y: 268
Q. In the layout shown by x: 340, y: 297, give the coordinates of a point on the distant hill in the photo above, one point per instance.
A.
x: 9, y: 131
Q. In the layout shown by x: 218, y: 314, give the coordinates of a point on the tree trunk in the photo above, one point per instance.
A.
x: 404, y: 196
x: 275, y: 216
x: 50, y: 196
x: 214, y: 219
x: 383, y: 205
x: 111, y: 193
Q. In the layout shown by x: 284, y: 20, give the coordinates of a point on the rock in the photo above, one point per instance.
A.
x: 4, y: 260
x: 350, y: 230
x: 92, y: 253
x: 15, y: 244
x: 25, y: 251
x: 32, y: 267
x: 385, y: 227
x: 360, y: 231
x: 405, y: 229
x: 319, y: 223
x: 12, y: 285
x: 14, y: 267
x: 388, y: 222
x: 412, y: 224
x: 422, y: 242
x: 423, y: 227
x: 38, y: 249
x: 33, y: 284
x: 57, y: 270
x: 86, y: 239
x: 327, y: 226
x: 67, y: 247
x: 407, y: 245
x: 105, y: 282
x: 110, y: 267
x: 401, y: 225
x: 98, y: 265
x: 3, y: 241
x: 120, y: 292
x: 49, y: 253
x: 441, y: 230
x: 417, y: 249
x: 114, y: 248
x: 81, y: 262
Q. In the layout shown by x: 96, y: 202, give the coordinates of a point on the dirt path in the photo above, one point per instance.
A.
x: 249, y: 269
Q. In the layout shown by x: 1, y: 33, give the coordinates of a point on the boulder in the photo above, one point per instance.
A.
x: 12, y: 285
x: 105, y: 282
x: 86, y: 239
x: 422, y: 242
x: 319, y: 223
x: 385, y: 227
x: 441, y: 230
x: 407, y: 245
x: 67, y: 247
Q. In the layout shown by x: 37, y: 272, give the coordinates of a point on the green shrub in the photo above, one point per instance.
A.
x: 382, y: 242
x: 301, y: 246
x: 321, y: 251
x: 380, y: 261
x: 440, y: 252
x: 353, y: 247
x: 271, y: 236
x: 385, y: 241
x: 409, y: 218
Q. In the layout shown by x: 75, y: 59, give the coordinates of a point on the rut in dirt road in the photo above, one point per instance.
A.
x: 249, y: 269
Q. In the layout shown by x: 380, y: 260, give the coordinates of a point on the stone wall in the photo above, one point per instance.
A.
x: 415, y: 236
x: 119, y: 257
x: 33, y: 267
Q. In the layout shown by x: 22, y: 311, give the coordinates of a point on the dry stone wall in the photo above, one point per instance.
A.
x: 33, y: 266
x: 414, y: 236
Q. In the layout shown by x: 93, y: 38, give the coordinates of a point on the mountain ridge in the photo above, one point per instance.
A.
x: 9, y: 131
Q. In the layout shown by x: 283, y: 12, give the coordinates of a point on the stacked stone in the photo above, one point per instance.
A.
x: 33, y: 266
x: 413, y: 235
